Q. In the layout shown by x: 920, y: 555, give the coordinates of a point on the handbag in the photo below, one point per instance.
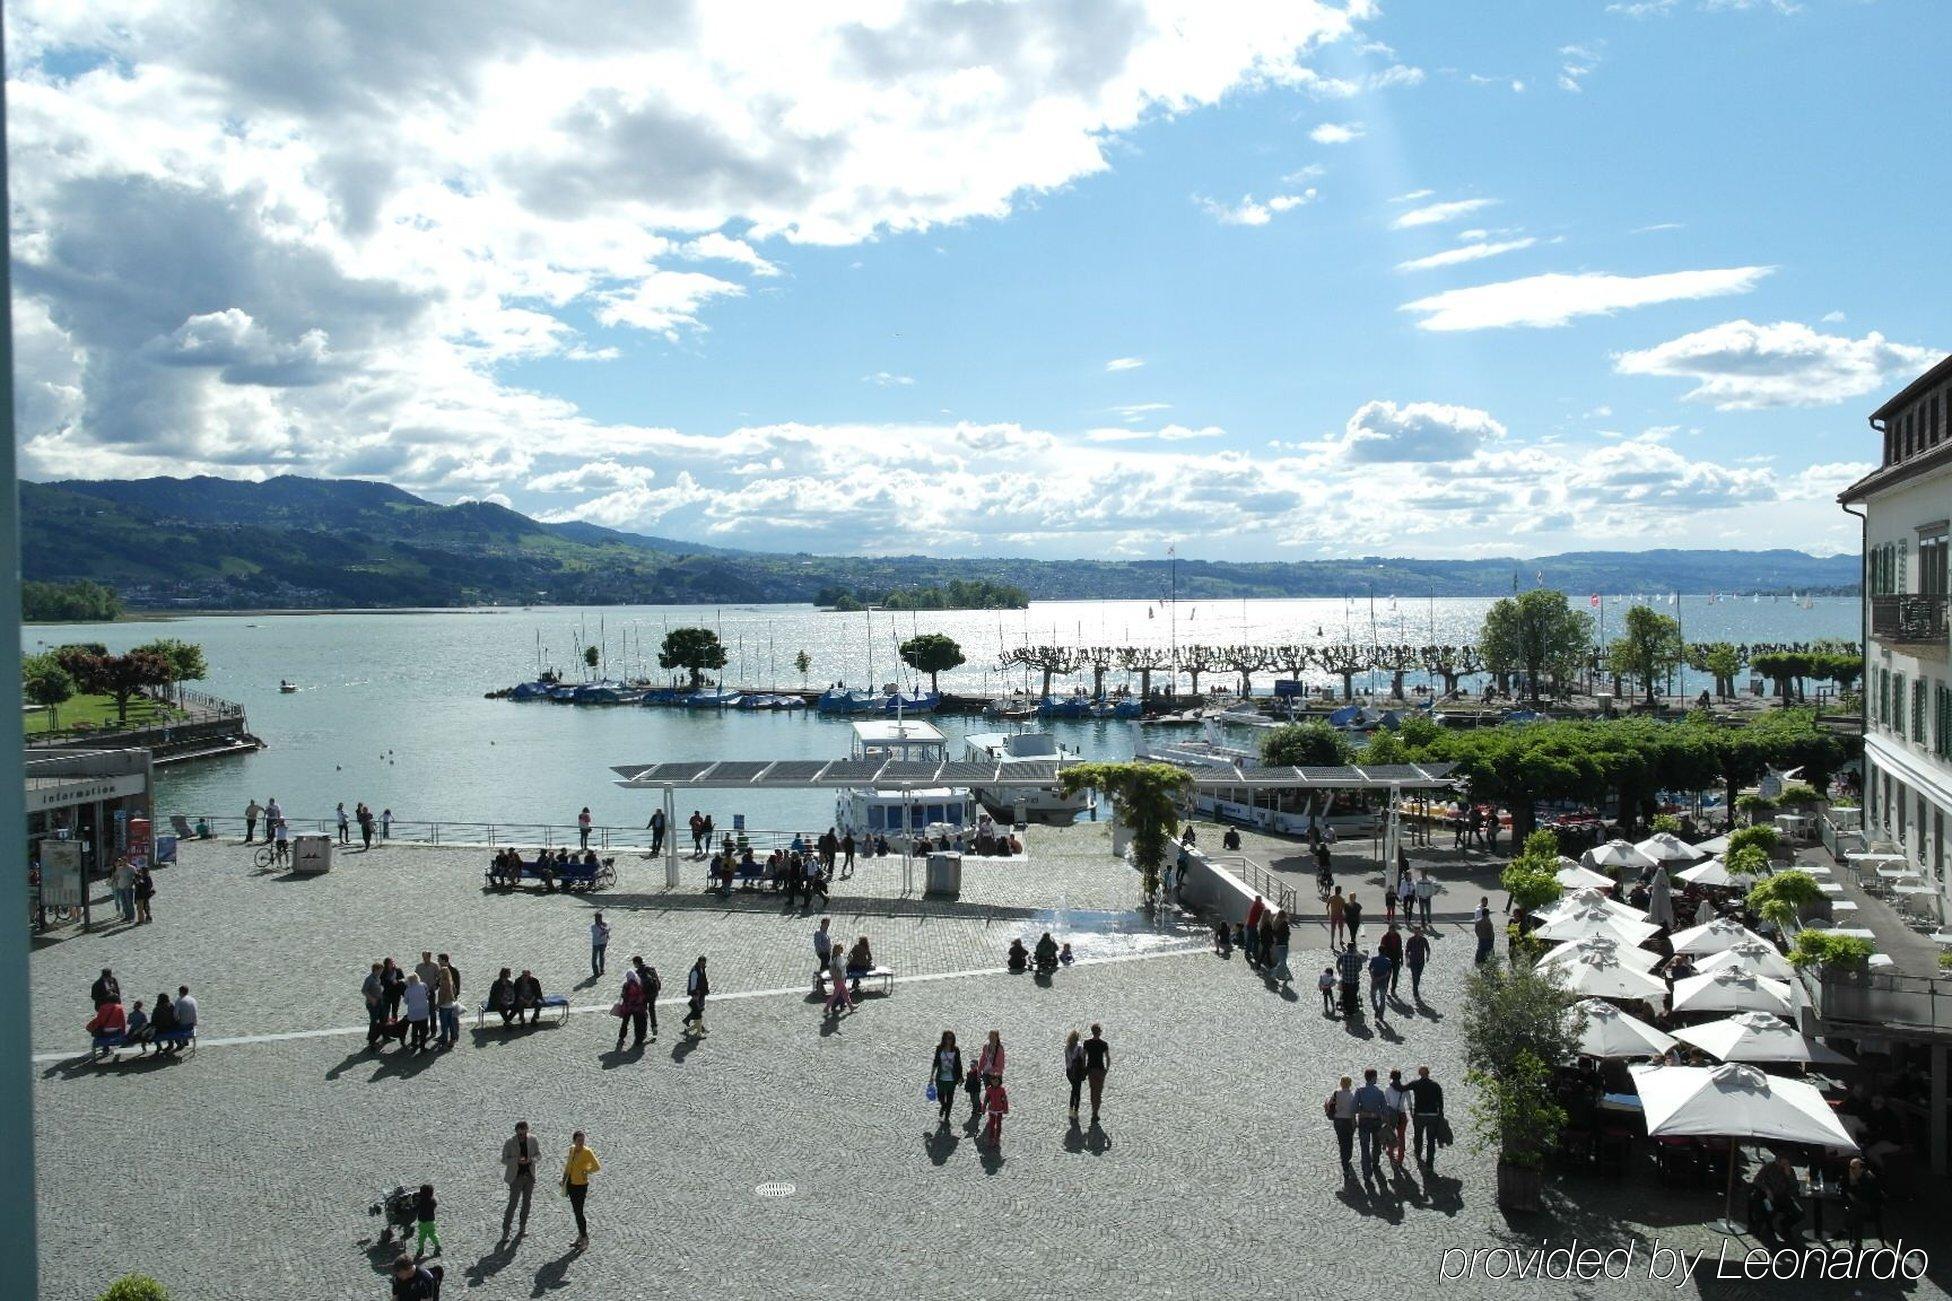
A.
x: 1444, y: 1138
x: 1328, y: 1107
x: 929, y: 1092
x: 618, y: 1009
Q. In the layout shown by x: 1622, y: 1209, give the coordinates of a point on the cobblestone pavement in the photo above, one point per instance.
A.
x: 244, y: 1170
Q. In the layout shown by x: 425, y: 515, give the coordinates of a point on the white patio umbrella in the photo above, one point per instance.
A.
x: 1666, y: 847
x: 1625, y: 954
x: 1574, y: 877
x: 1583, y: 922
x: 1713, y: 873
x: 1705, y: 913
x: 1610, y: 1032
x: 1585, y: 898
x: 1732, y: 990
x: 1660, y: 900
x: 1754, y: 956
x: 1714, y: 936
x: 1713, y: 845
x: 1618, y: 855
x: 1759, y: 1037
x: 1601, y: 975
x: 1734, y: 1102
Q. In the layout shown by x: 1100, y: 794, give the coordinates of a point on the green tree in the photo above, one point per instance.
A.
x: 694, y: 650
x: 1722, y: 661
x: 1148, y: 797
x: 1536, y: 634
x: 1531, y: 879
x: 803, y: 662
x: 1825, y: 949
x: 1781, y: 897
x: 932, y: 653
x: 1305, y: 745
x: 186, y: 662
x: 82, y: 602
x: 1648, y: 650
x: 591, y: 656
x: 44, y: 682
x: 1519, y: 1021
x: 120, y: 677
x: 135, y: 1287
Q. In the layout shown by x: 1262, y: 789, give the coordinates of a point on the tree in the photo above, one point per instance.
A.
x: 932, y: 653
x: 1148, y: 797
x: 1144, y: 661
x: 82, y: 602
x: 1451, y: 663
x: 1197, y: 660
x: 1648, y: 650
x: 120, y: 677
x: 1531, y: 879
x: 1723, y: 661
x: 1101, y: 659
x: 1537, y: 634
x: 1519, y: 1022
x: 44, y: 682
x: 803, y: 662
x: 1246, y: 661
x: 1305, y: 745
x: 1395, y: 661
x: 1051, y: 661
x: 1779, y: 899
x: 186, y: 662
x: 1345, y: 661
x: 694, y: 650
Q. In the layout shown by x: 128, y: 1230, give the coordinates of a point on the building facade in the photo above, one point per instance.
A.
x: 1906, y: 506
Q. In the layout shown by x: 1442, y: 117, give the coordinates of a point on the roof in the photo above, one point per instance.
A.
x: 1905, y: 395
x: 904, y: 731
x: 1889, y: 476
x: 815, y: 774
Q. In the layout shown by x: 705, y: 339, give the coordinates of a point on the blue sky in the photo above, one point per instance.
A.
x: 1052, y: 279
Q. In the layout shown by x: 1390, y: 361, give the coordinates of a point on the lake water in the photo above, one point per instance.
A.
x: 390, y: 708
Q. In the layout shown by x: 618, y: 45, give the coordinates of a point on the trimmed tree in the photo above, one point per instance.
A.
x: 1148, y: 797
x: 932, y: 653
x: 1519, y: 1021
x: 120, y: 677
x: 44, y: 682
x: 695, y: 650
x: 1305, y: 745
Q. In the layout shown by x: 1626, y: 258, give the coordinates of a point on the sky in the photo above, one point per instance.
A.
x: 1054, y: 278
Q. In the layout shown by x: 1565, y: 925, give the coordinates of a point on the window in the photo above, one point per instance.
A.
x: 1902, y: 577
x: 1932, y: 563
x: 1896, y: 721
x: 1942, y: 731
x: 1883, y: 716
x: 1918, y: 732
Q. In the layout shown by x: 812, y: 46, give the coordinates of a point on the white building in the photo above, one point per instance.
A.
x: 1906, y: 504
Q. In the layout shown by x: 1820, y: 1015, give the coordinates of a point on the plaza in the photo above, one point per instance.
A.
x: 785, y: 1153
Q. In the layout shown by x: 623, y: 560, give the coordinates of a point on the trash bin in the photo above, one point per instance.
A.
x: 944, y: 875
x: 311, y: 854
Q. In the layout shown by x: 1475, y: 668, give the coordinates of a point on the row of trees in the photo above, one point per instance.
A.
x: 1596, y: 761
x: 956, y: 594
x: 53, y: 677
x: 698, y: 651
x: 79, y: 602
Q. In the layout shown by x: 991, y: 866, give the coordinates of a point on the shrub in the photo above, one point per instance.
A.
x: 1746, y: 861
x: 135, y: 1287
x: 1778, y: 898
x: 1799, y: 793
x: 1756, y: 806
x: 1666, y: 822
x: 1517, y: 1019
x: 1823, y: 949
x: 1763, y: 838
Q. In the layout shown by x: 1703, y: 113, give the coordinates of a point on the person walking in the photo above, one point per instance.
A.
x: 1426, y: 1114
x: 1426, y: 891
x: 1396, y: 1099
x: 838, y: 995
x: 519, y: 1157
x: 1380, y: 968
x: 847, y: 853
x: 1352, y: 919
x: 345, y: 825
x: 1097, y: 1062
x: 945, y: 1073
x: 823, y: 947
x: 252, y: 812
x: 365, y: 816
x: 996, y: 1105
x: 373, y: 990
x: 648, y: 977
x: 1416, y: 953
x: 1336, y: 907
x: 145, y: 892
x: 599, y: 942
x: 656, y: 826
x: 1283, y: 933
x: 631, y: 1008
x: 1487, y: 933
x: 1074, y: 1068
x: 697, y: 987
x: 1348, y: 966
x: 1391, y: 947
x: 447, y: 1000
x: 989, y: 1062
x: 582, y: 1163
x: 1406, y: 888
x: 1371, y: 1109
x: 1325, y: 983
x: 123, y: 881
x: 423, y: 1214
x: 1251, y: 930
x: 1341, y: 1108
x: 583, y: 828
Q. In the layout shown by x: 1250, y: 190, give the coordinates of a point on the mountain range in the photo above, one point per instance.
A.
x: 301, y: 543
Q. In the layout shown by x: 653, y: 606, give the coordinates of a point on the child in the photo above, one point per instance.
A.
x: 1223, y: 940
x: 973, y: 1083
x: 1064, y: 956
x: 997, y: 1104
x: 138, y: 1031
x: 1326, y: 983
x: 424, y: 1212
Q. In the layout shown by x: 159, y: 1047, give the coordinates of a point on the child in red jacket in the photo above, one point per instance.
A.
x: 997, y: 1104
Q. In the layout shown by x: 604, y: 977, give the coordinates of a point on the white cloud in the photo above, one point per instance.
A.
x: 1657, y: 226
x: 1831, y: 318
x: 1134, y: 410
x: 1437, y: 213
x: 595, y: 476
x: 1396, y: 75
x: 1412, y: 196
x: 1655, y: 8
x: 1556, y: 299
x: 1336, y: 133
x: 1124, y: 363
x: 1743, y: 366
x: 1251, y: 211
x: 1474, y: 252
x: 887, y: 379
x: 1416, y: 431
x: 1577, y: 63
x: 717, y: 246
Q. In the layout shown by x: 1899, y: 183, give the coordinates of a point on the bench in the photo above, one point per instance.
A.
x: 556, y: 1005
x: 107, y: 1044
x: 746, y: 876
x: 886, y: 975
x: 573, y: 876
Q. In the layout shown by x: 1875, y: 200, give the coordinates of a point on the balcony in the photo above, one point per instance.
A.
x: 1910, y: 618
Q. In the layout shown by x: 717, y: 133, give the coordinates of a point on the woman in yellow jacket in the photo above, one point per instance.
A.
x: 577, y: 1170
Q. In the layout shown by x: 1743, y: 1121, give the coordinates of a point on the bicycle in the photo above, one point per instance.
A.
x: 266, y: 858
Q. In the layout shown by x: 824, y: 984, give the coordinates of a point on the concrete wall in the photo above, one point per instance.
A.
x: 1211, y: 889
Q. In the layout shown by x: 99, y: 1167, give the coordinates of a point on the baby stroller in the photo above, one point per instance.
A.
x: 401, y: 1209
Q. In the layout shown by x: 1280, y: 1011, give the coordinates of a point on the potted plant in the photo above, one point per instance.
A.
x: 1665, y: 822
x: 1767, y: 839
x: 1148, y: 797
x: 1781, y: 899
x: 1827, y: 952
x: 1746, y: 861
x: 1518, y: 1019
x: 1755, y: 807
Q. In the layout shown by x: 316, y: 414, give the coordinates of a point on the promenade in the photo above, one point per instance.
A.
x: 785, y: 1154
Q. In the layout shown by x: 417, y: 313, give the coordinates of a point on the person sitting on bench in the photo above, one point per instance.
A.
x: 528, y: 996
x: 1019, y: 955
x: 163, y: 1022
x: 109, y: 1020
x: 137, y: 1030
x: 501, y: 997
x: 860, y: 961
x: 545, y: 870
x: 1046, y: 954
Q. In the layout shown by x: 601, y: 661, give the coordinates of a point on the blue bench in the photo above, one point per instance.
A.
x: 571, y: 876
x: 107, y: 1044
x: 556, y: 1005
x: 753, y: 875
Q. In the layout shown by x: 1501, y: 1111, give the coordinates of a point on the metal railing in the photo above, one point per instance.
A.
x: 1258, y: 879
x: 524, y: 835
x: 1879, y: 998
x: 1909, y: 617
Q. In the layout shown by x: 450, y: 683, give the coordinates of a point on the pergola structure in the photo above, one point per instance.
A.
x: 886, y: 773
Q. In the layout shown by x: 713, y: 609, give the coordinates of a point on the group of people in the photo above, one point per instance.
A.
x: 133, y: 1025
x: 419, y: 1008
x: 794, y: 871
x: 1047, y: 957
x: 1385, y: 969
x: 839, y: 968
x: 1263, y: 937
x: 551, y: 865
x: 1380, y: 1117
x: 1087, y: 1061
x: 1476, y: 825
x: 135, y: 890
x: 369, y: 824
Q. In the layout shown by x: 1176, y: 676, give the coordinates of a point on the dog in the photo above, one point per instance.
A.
x: 394, y: 1028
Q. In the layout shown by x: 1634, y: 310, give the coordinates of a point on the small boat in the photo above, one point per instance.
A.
x: 1009, y: 750
x: 286, y: 688
x: 1065, y: 707
x: 710, y: 699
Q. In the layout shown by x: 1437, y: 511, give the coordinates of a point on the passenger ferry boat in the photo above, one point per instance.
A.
x: 1013, y: 749
x: 1287, y: 811
x: 893, y: 811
